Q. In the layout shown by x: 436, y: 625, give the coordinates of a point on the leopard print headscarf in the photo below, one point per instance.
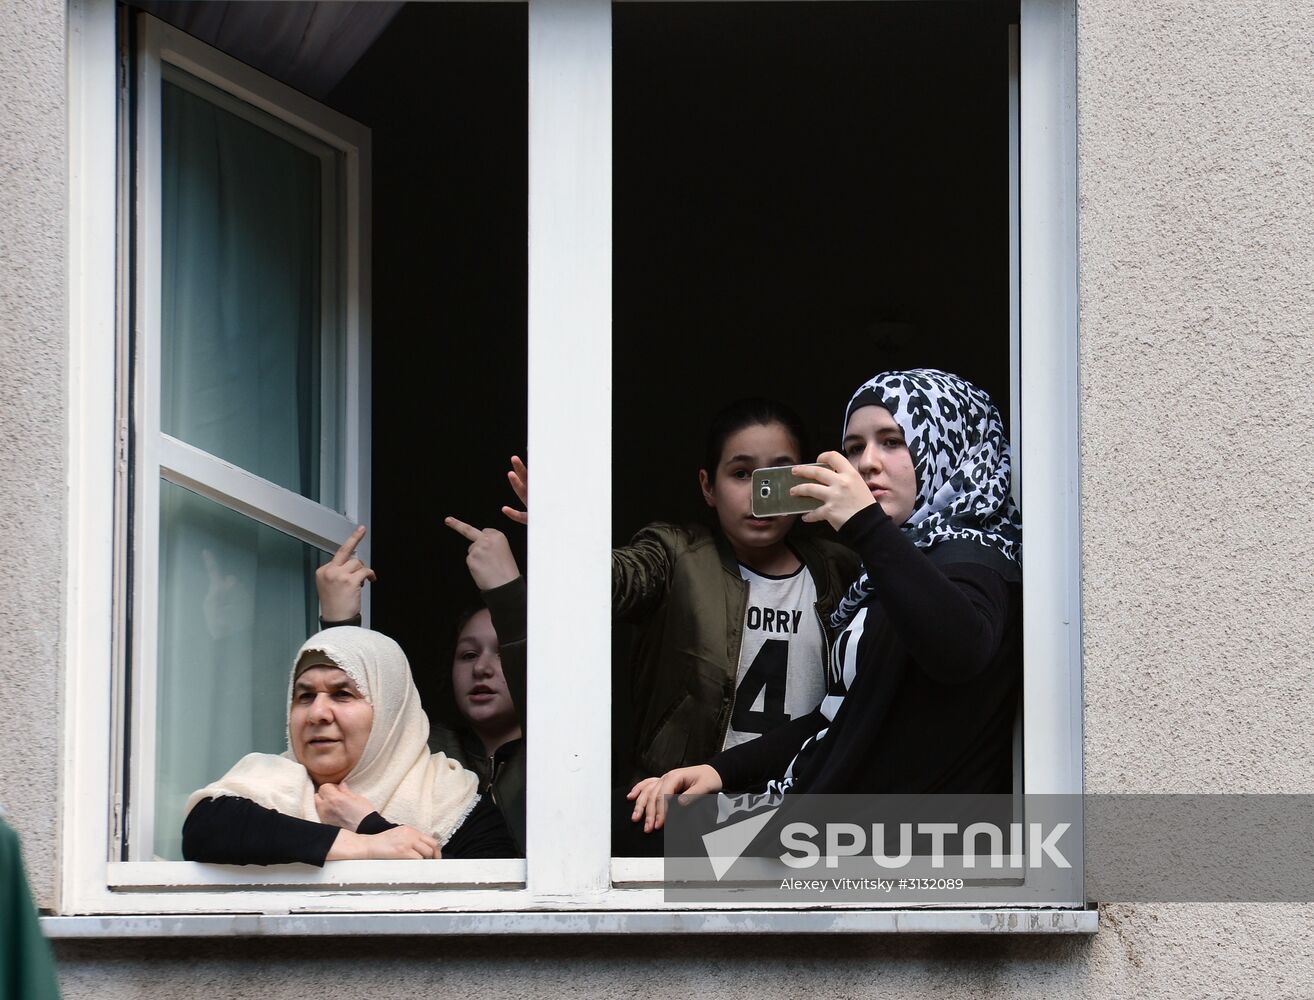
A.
x: 956, y: 438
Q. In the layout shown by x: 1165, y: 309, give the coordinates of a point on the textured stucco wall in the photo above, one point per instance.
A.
x: 1197, y: 294
x: 1197, y: 364
x: 1196, y: 162
x: 33, y: 195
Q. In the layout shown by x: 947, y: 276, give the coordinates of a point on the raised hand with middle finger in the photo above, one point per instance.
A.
x: 489, y: 558
x: 340, y: 581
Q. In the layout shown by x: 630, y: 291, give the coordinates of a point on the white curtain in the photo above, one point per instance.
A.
x: 240, y: 378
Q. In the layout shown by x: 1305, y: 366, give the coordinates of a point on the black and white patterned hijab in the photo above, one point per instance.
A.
x: 959, y: 452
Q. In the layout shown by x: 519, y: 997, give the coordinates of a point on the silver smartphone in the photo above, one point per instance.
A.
x: 771, y: 492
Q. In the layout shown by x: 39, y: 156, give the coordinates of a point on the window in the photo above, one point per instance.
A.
x: 251, y: 418
x: 570, y: 405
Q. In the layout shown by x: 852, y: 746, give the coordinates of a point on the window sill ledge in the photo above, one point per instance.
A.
x: 995, y: 921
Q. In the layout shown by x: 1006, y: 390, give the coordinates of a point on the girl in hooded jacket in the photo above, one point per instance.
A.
x: 733, y: 619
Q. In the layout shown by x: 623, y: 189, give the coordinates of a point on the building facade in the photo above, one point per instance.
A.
x: 1195, y: 204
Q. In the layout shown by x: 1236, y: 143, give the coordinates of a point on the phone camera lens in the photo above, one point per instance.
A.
x: 765, y: 492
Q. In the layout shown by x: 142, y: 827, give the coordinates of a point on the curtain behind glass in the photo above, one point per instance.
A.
x: 240, y: 379
x: 240, y: 293
x: 237, y: 599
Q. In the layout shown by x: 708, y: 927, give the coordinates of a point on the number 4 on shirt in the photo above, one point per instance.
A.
x: 765, y: 681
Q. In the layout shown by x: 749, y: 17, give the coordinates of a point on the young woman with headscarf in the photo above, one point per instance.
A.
x: 357, y: 780
x: 926, y: 667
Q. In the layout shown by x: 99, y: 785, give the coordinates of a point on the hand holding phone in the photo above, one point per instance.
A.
x: 770, y: 492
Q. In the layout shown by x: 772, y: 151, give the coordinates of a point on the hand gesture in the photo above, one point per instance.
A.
x: 489, y: 559
x: 338, y: 805
x: 401, y: 843
x: 339, y: 581
x: 228, y: 606
x: 649, y: 795
x: 518, y: 477
x: 838, y: 486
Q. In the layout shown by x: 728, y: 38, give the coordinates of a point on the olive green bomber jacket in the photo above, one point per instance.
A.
x: 681, y: 586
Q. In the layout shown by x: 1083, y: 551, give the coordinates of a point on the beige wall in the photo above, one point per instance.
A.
x: 1197, y: 300
x: 33, y: 342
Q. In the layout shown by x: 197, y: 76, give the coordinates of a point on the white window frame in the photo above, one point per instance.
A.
x: 160, y: 457
x: 570, y: 881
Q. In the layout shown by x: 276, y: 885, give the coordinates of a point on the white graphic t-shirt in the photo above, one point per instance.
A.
x: 782, y: 672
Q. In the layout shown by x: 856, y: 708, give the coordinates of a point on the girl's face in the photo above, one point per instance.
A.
x: 760, y: 446
x: 477, y: 683
x: 328, y: 724
x: 874, y: 443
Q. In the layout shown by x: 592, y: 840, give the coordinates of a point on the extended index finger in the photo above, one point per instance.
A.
x: 464, y: 530
x: 348, y: 548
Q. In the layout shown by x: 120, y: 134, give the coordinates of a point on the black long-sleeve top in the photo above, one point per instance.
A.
x: 931, y: 692
x: 501, y: 776
x: 235, y: 831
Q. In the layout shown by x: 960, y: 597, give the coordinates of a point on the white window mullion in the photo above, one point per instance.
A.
x: 568, y: 840
x: 1048, y: 304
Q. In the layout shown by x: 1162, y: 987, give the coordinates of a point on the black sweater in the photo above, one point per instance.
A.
x: 930, y: 707
x: 236, y: 831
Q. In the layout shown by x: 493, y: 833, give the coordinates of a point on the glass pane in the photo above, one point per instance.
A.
x: 237, y: 599
x: 247, y: 371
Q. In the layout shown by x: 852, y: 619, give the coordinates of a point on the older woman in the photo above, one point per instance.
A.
x: 357, y: 780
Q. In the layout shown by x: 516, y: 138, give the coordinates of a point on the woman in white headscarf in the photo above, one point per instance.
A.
x: 357, y: 780
x: 927, y: 663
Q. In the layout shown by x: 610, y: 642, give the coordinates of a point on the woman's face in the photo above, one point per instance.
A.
x: 760, y: 446
x: 477, y: 682
x: 329, y: 723
x: 874, y: 443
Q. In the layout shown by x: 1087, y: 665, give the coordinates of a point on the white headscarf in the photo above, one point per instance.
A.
x: 396, y: 772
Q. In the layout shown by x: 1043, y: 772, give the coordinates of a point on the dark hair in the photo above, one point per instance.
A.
x: 464, y: 614
x: 751, y: 412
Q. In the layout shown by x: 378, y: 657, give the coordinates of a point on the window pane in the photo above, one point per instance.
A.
x: 248, y: 371
x: 237, y: 599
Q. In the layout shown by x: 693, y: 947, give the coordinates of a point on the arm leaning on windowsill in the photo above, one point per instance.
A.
x: 235, y: 831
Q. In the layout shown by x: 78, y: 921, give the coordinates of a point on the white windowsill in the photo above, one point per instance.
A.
x: 996, y: 921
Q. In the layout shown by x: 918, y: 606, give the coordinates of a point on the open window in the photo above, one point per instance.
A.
x: 803, y: 197
x: 252, y: 401
x: 402, y: 391
x: 250, y: 417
